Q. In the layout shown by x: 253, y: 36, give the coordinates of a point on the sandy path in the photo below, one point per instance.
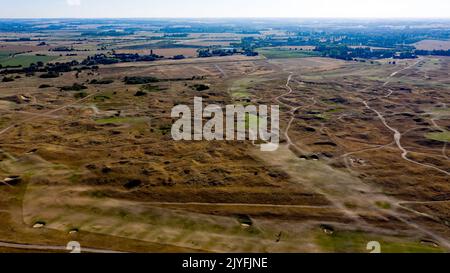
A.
x: 397, y: 134
x: 52, y: 248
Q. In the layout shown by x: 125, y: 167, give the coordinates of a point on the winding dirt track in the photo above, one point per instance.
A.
x: 397, y: 140
x: 52, y: 248
x: 292, y: 113
x: 397, y: 134
x: 234, y: 204
x: 444, y: 149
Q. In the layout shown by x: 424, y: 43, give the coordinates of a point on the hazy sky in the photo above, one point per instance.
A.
x: 224, y: 8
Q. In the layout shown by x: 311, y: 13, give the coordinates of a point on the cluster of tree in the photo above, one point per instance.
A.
x: 349, y: 53
x: 176, y: 35
x: 61, y: 67
x: 200, y: 87
x: 250, y: 52
x: 140, y: 80
x: 178, y: 57
x: 49, y: 75
x: 73, y: 87
x: 40, y: 67
x: 95, y: 81
x: 119, y: 58
x: 80, y: 95
x: 433, y: 52
x: 7, y: 79
x: 346, y: 43
x: 249, y: 32
x: 405, y: 55
x: 137, y: 58
x: 251, y: 43
x: 62, y: 49
x: 204, y: 53
x: 53, y: 70
x: 50, y: 70
x: 248, y: 45
x: 372, y: 35
x: 221, y: 52
x: 99, y: 59
x: 17, y: 40
x: 140, y: 93
x: 134, y: 80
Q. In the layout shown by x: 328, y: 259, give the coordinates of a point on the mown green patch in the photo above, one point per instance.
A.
x: 383, y: 205
x: 356, y: 242
x: 74, y: 178
x: 254, y: 121
x: 24, y: 60
x: 281, y: 53
x: 321, y: 116
x: 239, y: 89
x: 441, y: 136
x: 240, y: 95
x: 441, y: 112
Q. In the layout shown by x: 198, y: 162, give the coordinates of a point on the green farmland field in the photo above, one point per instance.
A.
x: 23, y: 60
x: 279, y: 53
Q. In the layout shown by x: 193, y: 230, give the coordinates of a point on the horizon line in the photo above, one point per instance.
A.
x: 231, y: 18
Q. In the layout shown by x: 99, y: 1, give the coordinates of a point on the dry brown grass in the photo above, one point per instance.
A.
x: 433, y: 45
x: 190, y: 192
